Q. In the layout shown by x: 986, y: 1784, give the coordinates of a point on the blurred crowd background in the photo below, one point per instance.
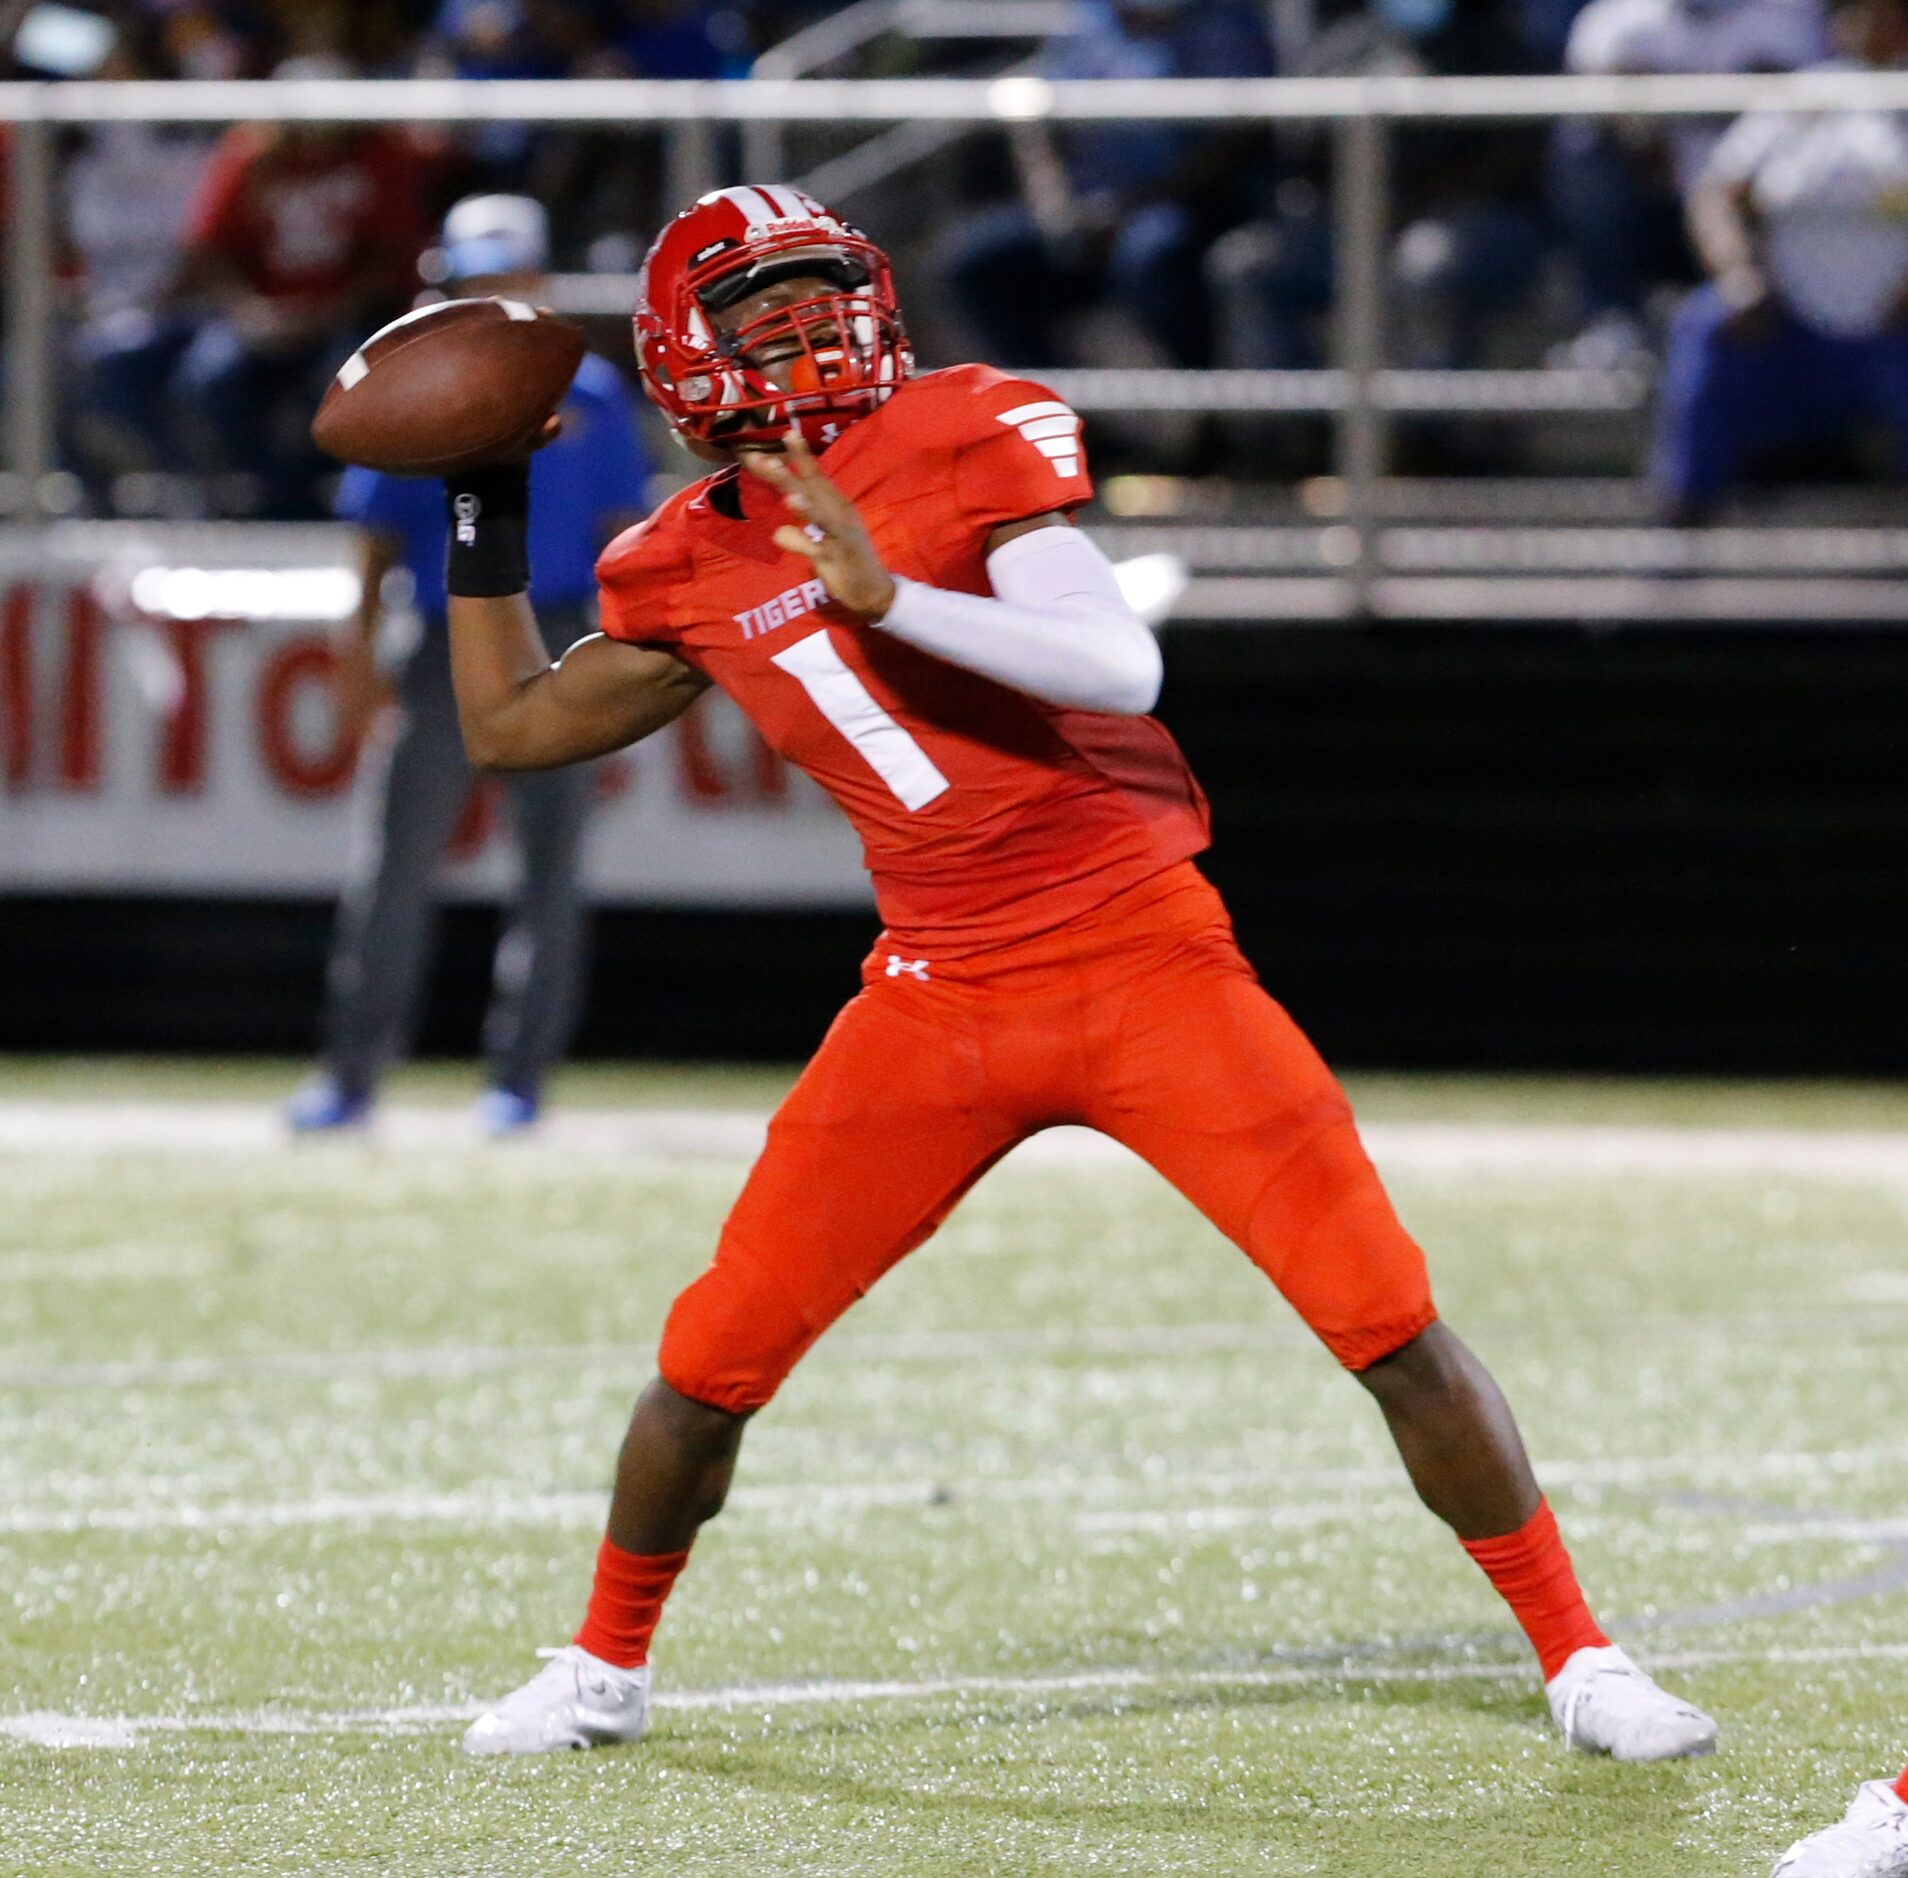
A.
x: 1756, y: 274
x: 1653, y: 840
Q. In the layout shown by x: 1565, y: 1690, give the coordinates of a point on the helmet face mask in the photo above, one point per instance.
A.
x: 821, y: 360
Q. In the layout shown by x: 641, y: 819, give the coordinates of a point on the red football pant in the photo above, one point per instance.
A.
x: 1140, y: 1019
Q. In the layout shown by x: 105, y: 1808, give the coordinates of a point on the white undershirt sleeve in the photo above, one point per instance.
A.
x: 1057, y: 628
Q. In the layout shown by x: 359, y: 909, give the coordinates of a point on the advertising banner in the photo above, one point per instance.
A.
x: 166, y: 726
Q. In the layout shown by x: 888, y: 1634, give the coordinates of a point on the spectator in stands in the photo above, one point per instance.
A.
x: 608, y: 182
x: 513, y: 38
x: 1616, y: 189
x: 583, y: 488
x: 376, y: 36
x: 673, y: 39
x: 1801, y: 333
x: 1471, y: 244
x: 300, y: 237
x: 215, y: 38
x: 126, y: 191
x: 1124, y: 211
x: 1545, y: 25
x: 508, y: 39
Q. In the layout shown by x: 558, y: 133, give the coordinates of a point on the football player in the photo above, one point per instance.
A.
x: 1870, y: 1842
x: 883, y: 573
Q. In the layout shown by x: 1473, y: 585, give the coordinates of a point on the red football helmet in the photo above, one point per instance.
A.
x: 850, y: 348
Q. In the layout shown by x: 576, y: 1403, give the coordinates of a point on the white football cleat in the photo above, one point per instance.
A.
x: 1872, y: 1842
x: 1606, y: 1705
x: 575, y: 1700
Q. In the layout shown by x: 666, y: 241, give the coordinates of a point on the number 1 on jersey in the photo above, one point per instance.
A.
x: 843, y: 699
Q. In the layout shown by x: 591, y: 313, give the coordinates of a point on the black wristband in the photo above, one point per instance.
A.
x: 489, y: 552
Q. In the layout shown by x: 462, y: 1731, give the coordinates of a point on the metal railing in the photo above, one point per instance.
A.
x: 1361, y: 394
x: 837, y: 36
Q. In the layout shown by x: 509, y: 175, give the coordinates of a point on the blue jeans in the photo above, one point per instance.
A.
x: 1624, y: 231
x: 1451, y: 274
x: 1014, y: 285
x: 1272, y: 284
x: 1455, y: 272
x: 120, y: 409
x: 250, y: 411
x: 1726, y: 401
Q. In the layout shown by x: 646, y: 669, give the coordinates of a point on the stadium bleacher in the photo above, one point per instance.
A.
x: 1370, y: 411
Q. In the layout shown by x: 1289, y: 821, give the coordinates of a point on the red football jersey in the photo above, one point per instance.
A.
x: 984, y: 814
x: 309, y: 224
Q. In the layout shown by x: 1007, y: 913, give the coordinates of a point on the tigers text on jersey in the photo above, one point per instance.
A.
x: 984, y: 814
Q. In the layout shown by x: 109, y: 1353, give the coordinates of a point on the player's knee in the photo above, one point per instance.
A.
x: 696, y: 1430
x: 729, y: 1345
x: 1425, y: 1373
x: 700, y: 1441
x: 1325, y: 1232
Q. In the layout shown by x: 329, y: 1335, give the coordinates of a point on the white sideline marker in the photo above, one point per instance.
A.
x: 455, y: 1361
x: 105, y: 1264
x: 1237, y: 1500
x: 671, y: 1134
x: 49, y: 1729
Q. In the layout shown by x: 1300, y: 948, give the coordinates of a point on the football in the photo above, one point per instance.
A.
x: 448, y: 387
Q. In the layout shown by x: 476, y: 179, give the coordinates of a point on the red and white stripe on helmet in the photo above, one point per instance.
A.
x: 851, y: 347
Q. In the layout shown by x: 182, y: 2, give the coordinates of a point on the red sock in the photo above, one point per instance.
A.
x: 1533, y: 1575
x: 625, y: 1602
x: 1901, y: 1786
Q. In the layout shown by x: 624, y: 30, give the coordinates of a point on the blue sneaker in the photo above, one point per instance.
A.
x: 325, y: 1106
x: 502, y: 1112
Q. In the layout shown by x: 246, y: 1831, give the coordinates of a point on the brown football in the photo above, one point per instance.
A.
x: 448, y: 387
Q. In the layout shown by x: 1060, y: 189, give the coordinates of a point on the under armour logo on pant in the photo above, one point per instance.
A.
x: 912, y: 968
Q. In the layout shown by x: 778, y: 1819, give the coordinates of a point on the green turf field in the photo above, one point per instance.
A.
x: 1067, y: 1553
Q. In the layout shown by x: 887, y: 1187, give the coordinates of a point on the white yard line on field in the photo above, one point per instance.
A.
x: 1099, y: 1502
x: 453, y: 1362
x: 105, y: 1264
x: 187, y: 1127
x: 458, y: 1362
x: 672, y: 1134
x: 1838, y: 1529
x: 1595, y: 1148
x: 1877, y: 1288
x: 478, y: 1510
x: 44, y: 1728
x: 862, y: 1349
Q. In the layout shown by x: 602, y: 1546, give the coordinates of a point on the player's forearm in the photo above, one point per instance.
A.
x: 498, y: 658
x: 519, y: 711
x: 377, y: 555
x: 1723, y: 233
x: 1057, y: 627
x: 516, y: 708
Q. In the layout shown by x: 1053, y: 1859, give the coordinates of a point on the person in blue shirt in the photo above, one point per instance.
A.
x: 584, y: 488
x: 1122, y: 212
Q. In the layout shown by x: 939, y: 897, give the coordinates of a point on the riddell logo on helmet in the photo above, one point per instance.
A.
x: 705, y: 263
